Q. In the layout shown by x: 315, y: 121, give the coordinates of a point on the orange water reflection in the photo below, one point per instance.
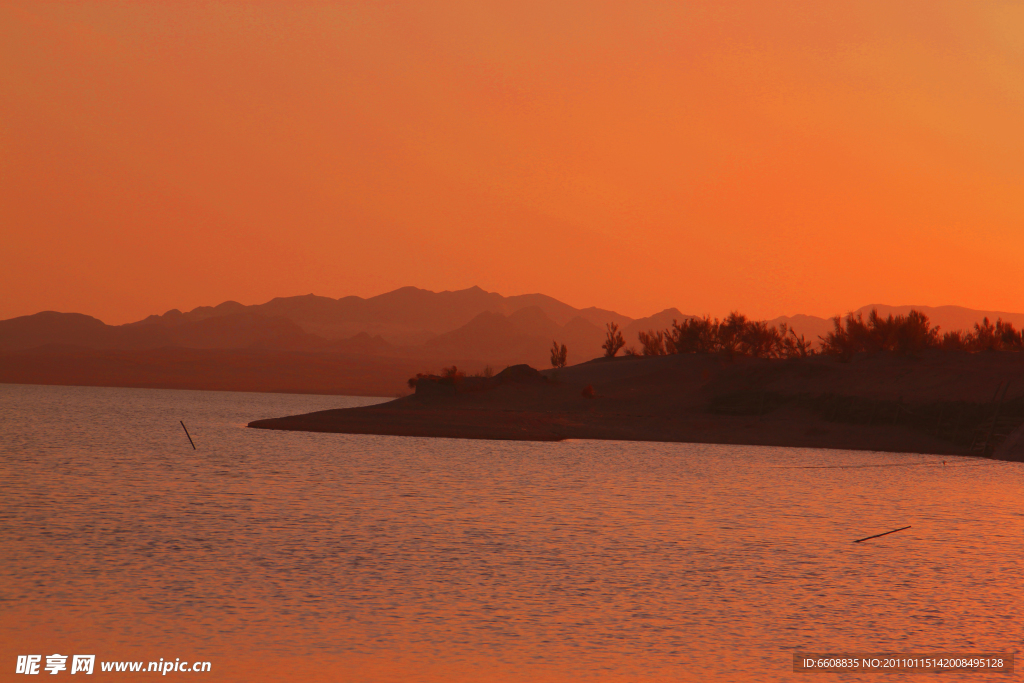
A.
x: 318, y: 557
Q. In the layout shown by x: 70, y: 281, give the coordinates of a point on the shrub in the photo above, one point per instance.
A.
x: 734, y: 335
x: 759, y: 339
x: 653, y: 343
x: 730, y: 331
x: 452, y: 374
x: 558, y: 355
x: 1010, y: 337
x: 488, y: 371
x: 904, y: 334
x: 985, y: 337
x: 955, y: 341
x: 792, y: 346
x: 420, y: 375
x: 909, y: 333
x: 694, y: 335
x: 613, y: 340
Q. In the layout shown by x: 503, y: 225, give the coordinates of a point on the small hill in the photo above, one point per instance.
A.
x: 51, y: 327
x: 239, y: 330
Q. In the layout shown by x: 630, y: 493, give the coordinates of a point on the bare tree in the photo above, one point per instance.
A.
x: 613, y: 340
x: 558, y: 355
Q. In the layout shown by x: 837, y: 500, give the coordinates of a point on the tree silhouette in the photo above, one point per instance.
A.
x: 730, y: 333
x: 736, y: 335
x: 985, y: 337
x: 792, y: 346
x: 558, y: 355
x: 759, y: 339
x: 905, y: 334
x: 653, y: 342
x: 693, y: 335
x: 613, y: 340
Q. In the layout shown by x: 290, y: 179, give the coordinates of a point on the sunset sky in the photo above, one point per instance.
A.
x: 810, y: 157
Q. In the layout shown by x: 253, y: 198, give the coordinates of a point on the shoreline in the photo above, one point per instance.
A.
x: 938, y: 403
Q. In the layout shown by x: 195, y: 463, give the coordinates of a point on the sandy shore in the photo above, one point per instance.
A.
x: 940, y: 402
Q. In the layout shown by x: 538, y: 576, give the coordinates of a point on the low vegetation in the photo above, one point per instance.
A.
x: 905, y: 334
x: 451, y: 375
x: 913, y: 333
x: 738, y: 336
x: 733, y: 336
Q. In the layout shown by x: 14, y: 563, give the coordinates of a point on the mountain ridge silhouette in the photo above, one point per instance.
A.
x: 407, y: 323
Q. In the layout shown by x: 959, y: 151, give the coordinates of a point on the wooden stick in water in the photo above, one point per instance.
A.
x: 188, y: 435
x: 885, y: 534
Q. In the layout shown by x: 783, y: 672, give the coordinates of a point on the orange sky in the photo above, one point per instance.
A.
x: 809, y: 158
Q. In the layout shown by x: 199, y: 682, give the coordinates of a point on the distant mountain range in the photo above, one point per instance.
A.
x: 408, y: 322
x: 404, y: 317
x: 413, y: 327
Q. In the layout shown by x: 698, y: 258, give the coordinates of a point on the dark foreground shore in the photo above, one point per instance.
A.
x: 944, y: 403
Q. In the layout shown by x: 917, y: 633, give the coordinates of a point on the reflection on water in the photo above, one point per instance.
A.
x: 291, y: 556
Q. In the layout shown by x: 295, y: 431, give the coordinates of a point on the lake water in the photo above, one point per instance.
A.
x: 324, y: 557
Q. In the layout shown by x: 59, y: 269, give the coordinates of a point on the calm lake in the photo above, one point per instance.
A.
x: 323, y: 557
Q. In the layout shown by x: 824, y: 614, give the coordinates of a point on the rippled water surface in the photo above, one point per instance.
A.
x: 292, y: 556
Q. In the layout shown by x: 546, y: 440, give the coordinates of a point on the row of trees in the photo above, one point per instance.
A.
x: 733, y: 336
x: 912, y: 333
x: 736, y: 335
